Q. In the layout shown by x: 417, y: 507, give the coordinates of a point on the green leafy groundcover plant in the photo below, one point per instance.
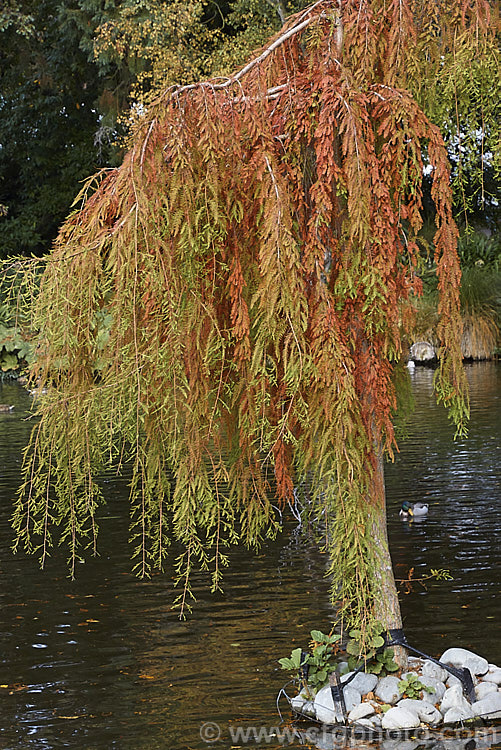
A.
x: 318, y: 663
x: 366, y: 649
x: 311, y: 669
x: 16, y: 347
x: 412, y: 687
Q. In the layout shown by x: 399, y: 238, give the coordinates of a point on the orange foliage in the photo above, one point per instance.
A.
x: 291, y: 196
x: 254, y: 249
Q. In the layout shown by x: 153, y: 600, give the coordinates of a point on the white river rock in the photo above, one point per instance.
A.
x: 387, y: 689
x: 363, y: 682
x: 484, y: 688
x: 422, y: 351
x: 401, y: 744
x: 425, y: 711
x: 430, y: 669
x: 303, y: 704
x: 325, y: 709
x: 437, y: 686
x: 458, y: 713
x: 461, y: 657
x: 489, y: 707
x: 362, y: 711
x: 454, y: 698
x: 411, y: 713
x: 400, y: 718
x: 493, y: 676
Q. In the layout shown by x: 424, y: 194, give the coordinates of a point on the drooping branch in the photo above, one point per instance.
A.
x: 226, y: 307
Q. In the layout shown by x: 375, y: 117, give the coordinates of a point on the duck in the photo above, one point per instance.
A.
x: 415, y: 510
x: 5, y: 408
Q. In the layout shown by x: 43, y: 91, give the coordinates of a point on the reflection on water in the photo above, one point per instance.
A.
x: 461, y: 483
x: 421, y: 739
x: 102, y: 662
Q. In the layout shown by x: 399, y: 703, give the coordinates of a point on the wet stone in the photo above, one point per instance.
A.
x: 387, y: 689
x: 308, y: 709
x: 363, y: 682
x: 430, y: 669
x: 329, y: 713
x: 406, y: 714
x: 400, y: 744
x: 325, y: 710
x: 453, y: 698
x: 489, y: 707
x: 297, y: 702
x: 352, y: 698
x: 458, y: 713
x: 415, y: 661
x: 461, y: 657
x: 437, y: 686
x: 493, y: 676
x: 424, y: 710
x: 484, y: 688
x: 422, y: 351
x: 362, y: 711
x: 400, y: 718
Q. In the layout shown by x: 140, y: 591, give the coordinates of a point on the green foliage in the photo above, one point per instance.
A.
x: 477, y: 250
x: 153, y: 44
x: 70, y: 71
x: 481, y: 291
x: 480, y: 304
x: 459, y: 87
x: 411, y: 687
x: 318, y: 662
x: 48, y: 121
x: 481, y: 312
x: 435, y: 574
x: 294, y: 663
x: 441, y: 574
x: 16, y: 348
x: 244, y: 26
x: 323, y: 649
x: 364, y: 648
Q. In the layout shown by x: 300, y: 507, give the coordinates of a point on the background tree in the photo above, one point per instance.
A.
x: 226, y: 308
x: 69, y: 71
x: 48, y: 121
x: 164, y: 43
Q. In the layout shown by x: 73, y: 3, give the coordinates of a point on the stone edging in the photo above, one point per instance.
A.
x: 377, y: 704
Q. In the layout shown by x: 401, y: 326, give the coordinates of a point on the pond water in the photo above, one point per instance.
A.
x: 103, y: 661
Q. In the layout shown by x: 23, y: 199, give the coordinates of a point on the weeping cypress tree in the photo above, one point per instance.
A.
x: 226, y: 308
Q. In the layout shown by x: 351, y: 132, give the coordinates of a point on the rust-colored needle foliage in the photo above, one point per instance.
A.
x: 226, y: 307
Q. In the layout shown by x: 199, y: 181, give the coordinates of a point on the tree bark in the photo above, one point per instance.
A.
x: 388, y: 607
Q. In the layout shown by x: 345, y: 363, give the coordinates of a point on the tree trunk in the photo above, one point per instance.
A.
x: 388, y: 609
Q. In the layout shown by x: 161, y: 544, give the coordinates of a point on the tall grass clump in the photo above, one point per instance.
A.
x: 481, y: 312
x: 480, y: 299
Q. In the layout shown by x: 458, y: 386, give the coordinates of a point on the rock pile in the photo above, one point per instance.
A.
x: 383, y: 704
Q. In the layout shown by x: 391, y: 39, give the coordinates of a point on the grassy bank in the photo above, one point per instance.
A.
x: 480, y: 300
